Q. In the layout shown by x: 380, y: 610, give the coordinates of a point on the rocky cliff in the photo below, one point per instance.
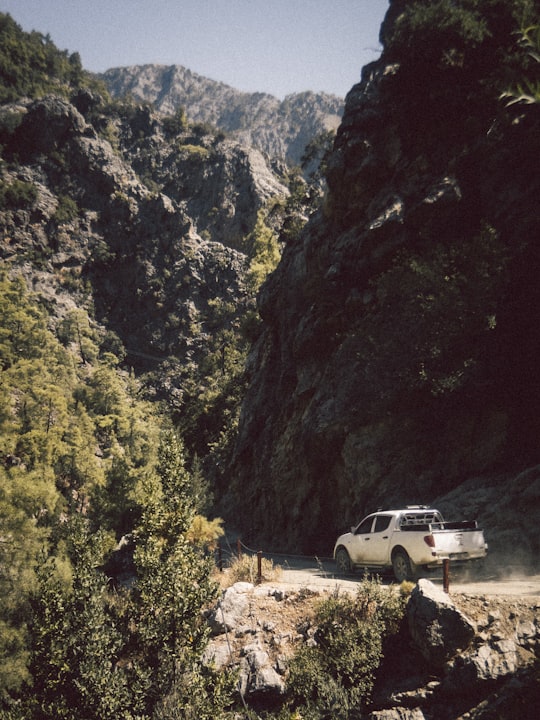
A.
x: 280, y: 129
x: 397, y: 359
x: 148, y: 222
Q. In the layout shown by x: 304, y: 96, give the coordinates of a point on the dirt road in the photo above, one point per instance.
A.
x: 321, y: 574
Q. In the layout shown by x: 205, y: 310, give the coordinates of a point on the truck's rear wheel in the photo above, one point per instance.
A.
x: 401, y: 565
x: 343, y: 562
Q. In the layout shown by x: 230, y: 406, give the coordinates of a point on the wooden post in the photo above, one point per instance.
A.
x: 446, y: 575
x: 220, y: 557
x: 259, y: 567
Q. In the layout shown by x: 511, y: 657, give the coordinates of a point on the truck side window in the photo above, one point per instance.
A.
x: 382, y: 522
x: 364, y: 527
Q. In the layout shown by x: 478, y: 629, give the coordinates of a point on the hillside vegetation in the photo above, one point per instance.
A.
x: 125, y: 318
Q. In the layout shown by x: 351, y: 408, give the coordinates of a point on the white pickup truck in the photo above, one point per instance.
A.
x: 406, y: 540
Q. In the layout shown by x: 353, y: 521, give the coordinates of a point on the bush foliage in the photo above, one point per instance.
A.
x: 335, y: 677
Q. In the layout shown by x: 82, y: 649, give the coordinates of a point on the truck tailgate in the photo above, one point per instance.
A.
x: 461, y: 543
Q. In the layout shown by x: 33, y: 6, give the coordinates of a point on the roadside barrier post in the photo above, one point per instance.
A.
x: 259, y: 567
x: 446, y: 575
x: 220, y: 558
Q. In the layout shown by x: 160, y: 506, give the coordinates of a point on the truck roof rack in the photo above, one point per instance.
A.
x: 417, y: 507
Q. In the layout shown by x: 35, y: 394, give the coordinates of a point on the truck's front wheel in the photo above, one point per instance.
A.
x: 401, y: 565
x: 343, y: 562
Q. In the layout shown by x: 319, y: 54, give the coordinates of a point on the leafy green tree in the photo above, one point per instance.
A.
x: 31, y: 65
x: 176, y: 123
x: 466, y: 54
x: 20, y: 541
x: 76, y: 644
x: 173, y: 585
x: 439, y: 33
x: 527, y: 89
x: 23, y: 330
x: 75, y: 438
x: 76, y: 329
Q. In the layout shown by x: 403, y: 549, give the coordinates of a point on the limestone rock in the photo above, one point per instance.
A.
x: 257, y: 674
x: 397, y: 714
x: 48, y: 124
x: 489, y: 663
x: 231, y: 608
x: 342, y: 414
x: 437, y: 627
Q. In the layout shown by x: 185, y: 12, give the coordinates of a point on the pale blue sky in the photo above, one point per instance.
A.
x: 273, y: 46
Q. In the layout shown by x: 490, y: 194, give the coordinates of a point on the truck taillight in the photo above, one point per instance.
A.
x: 429, y: 540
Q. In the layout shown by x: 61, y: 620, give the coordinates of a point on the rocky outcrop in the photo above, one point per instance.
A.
x: 218, y: 183
x: 445, y: 664
x: 437, y: 627
x: 280, y: 129
x: 245, y: 640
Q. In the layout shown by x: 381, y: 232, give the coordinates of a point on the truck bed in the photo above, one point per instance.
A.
x: 439, y: 526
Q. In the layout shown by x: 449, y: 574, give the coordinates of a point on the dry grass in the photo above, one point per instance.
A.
x: 246, y: 569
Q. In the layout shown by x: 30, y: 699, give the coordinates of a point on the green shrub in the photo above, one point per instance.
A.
x: 527, y: 89
x: 476, y: 35
x: 195, y: 151
x: 66, y: 211
x: 175, y: 124
x: 9, y: 122
x: 18, y: 195
x: 335, y: 678
x: 437, y: 33
x: 31, y: 65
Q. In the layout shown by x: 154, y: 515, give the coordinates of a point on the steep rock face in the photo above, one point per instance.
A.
x: 117, y: 225
x: 280, y: 129
x: 220, y: 185
x: 400, y: 328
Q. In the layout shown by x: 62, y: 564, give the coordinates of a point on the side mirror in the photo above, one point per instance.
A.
x: 353, y: 528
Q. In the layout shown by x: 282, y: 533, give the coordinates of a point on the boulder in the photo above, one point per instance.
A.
x: 258, y: 678
x: 437, y: 627
x: 489, y: 663
x: 231, y: 609
x: 48, y: 124
x: 397, y: 714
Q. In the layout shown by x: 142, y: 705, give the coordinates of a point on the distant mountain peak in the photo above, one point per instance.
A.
x: 279, y: 128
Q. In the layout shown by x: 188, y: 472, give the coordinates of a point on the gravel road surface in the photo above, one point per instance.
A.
x: 320, y: 574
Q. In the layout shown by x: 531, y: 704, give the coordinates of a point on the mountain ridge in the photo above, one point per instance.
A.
x: 279, y: 128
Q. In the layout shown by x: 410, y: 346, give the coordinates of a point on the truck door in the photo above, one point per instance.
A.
x: 359, y: 547
x: 380, y: 540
